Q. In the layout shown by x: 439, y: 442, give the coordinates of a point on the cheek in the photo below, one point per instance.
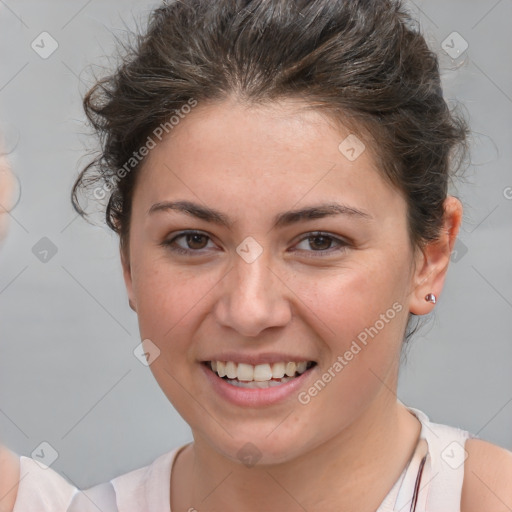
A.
x: 360, y: 315
x: 168, y: 298
x: 351, y: 299
x: 361, y: 319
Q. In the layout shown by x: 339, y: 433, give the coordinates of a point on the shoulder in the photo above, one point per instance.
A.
x: 142, y: 489
x: 36, y: 486
x: 146, y: 488
x: 487, y: 478
x: 10, y: 475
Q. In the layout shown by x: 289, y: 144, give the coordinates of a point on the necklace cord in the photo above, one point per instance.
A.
x: 417, y: 484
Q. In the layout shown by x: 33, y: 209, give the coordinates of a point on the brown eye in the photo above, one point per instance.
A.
x: 321, y: 244
x: 193, y: 242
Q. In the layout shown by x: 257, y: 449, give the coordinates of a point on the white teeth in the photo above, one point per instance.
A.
x: 245, y: 372
x: 231, y: 371
x: 302, y: 366
x: 278, y: 370
x: 221, y: 369
x: 290, y: 370
x: 261, y: 373
x: 259, y: 385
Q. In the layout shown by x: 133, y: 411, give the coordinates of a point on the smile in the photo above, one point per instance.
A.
x: 259, y: 376
x: 257, y: 385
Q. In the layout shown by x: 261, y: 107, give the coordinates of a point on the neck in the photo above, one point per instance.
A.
x: 359, y: 465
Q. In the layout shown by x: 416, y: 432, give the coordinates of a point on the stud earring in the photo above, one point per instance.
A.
x: 431, y: 298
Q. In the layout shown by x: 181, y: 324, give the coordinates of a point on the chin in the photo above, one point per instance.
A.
x: 255, y: 447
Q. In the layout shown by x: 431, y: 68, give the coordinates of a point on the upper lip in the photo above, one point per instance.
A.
x: 255, y: 359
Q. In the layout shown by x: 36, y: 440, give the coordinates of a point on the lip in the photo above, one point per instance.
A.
x: 246, y: 397
x: 256, y: 359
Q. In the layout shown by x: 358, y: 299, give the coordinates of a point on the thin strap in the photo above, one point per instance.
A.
x: 447, y: 457
x: 400, y: 496
x: 443, y: 471
x: 410, y: 489
x: 417, y: 484
x: 101, y: 497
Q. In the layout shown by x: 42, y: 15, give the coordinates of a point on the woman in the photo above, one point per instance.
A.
x: 277, y: 173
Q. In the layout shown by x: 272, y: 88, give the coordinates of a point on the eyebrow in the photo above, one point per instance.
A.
x: 281, y: 220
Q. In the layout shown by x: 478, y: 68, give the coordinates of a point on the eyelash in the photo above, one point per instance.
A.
x: 317, y: 234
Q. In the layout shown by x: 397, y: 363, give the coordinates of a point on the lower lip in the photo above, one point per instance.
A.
x: 247, y: 397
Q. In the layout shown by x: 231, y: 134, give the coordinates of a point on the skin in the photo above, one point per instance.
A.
x: 6, y: 193
x: 327, y: 453
x: 9, y: 477
x: 9, y: 462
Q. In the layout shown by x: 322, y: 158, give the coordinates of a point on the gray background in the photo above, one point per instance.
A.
x: 68, y: 375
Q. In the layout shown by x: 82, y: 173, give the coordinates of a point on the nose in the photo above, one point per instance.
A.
x: 253, y: 298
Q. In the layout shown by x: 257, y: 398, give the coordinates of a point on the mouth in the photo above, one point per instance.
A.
x: 261, y: 376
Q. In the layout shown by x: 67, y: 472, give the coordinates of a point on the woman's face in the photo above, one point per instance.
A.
x: 250, y: 289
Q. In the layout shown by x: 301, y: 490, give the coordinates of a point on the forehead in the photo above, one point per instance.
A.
x: 289, y: 128
x: 247, y: 154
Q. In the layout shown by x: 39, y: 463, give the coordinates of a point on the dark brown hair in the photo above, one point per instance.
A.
x: 364, y: 63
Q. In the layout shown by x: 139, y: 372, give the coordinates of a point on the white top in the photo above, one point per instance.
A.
x: 40, y: 489
x: 440, y: 451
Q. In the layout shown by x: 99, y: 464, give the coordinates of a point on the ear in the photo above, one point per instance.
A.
x: 127, y: 275
x: 433, y: 259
